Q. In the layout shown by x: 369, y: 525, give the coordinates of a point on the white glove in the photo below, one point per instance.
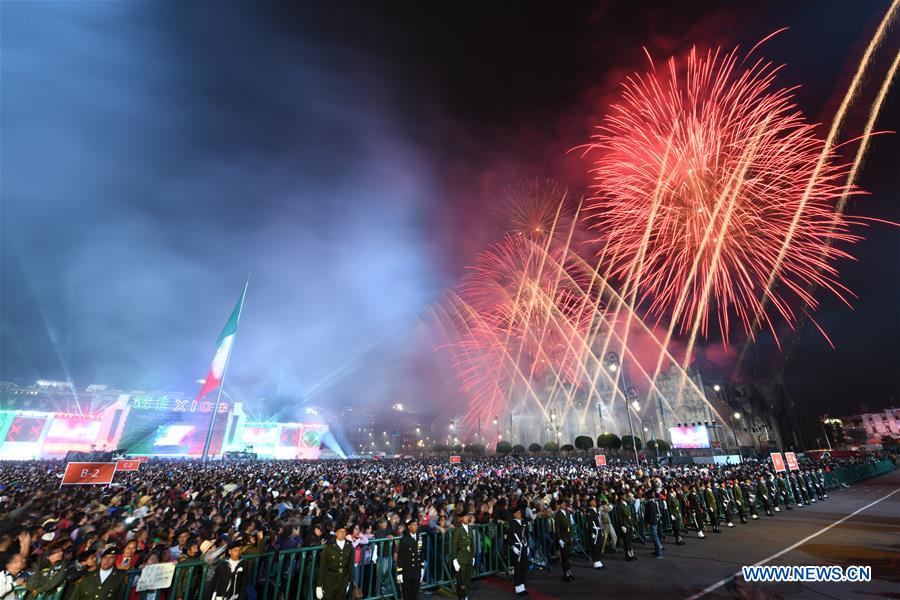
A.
x: 400, y: 578
x: 455, y: 565
x: 516, y: 551
x: 320, y: 593
x: 473, y: 561
x: 562, y: 544
x: 624, y: 529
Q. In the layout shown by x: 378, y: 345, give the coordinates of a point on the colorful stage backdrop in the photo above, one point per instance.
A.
x: 155, y: 425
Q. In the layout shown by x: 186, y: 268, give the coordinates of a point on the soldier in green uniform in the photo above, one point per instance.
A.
x: 712, y: 508
x: 738, y: 496
x: 563, y: 526
x: 673, y: 504
x: 462, y: 555
x: 626, y: 525
x: 106, y: 583
x: 696, y: 510
x: 763, y: 492
x: 188, y: 586
x: 335, y: 561
x: 747, y: 491
x: 785, y: 490
x: 50, y: 573
x: 723, y: 500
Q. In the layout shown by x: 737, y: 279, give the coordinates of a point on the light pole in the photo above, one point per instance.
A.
x: 736, y: 415
x: 629, y: 394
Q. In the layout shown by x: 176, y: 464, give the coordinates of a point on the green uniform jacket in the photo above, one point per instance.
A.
x: 710, y: 500
x: 623, y: 512
x: 563, y: 526
x: 47, y: 578
x: 674, y: 507
x: 334, y: 570
x: 737, y: 494
x: 114, y: 588
x: 462, y: 550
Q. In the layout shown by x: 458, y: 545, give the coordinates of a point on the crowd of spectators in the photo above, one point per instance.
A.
x: 173, y: 510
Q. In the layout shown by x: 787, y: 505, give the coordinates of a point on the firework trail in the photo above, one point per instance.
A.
x: 820, y: 171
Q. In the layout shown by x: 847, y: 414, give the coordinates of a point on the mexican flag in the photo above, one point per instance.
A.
x: 223, y: 350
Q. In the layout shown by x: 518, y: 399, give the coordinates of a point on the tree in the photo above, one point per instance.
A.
x: 568, y: 448
x: 584, y: 442
x: 663, y: 445
x: 457, y: 448
x: 610, y: 441
x: 504, y: 447
x: 631, y: 442
x: 440, y: 448
x: 518, y: 449
x: 475, y: 448
x: 551, y: 446
x: 534, y: 448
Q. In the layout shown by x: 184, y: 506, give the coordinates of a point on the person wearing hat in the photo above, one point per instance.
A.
x: 625, y: 516
x: 409, y: 561
x: 85, y: 564
x: 517, y: 540
x: 595, y: 530
x: 188, y: 587
x: 674, y: 508
x: 106, y: 583
x: 335, y: 562
x: 230, y: 577
x: 51, y: 572
x: 563, y: 525
x: 462, y: 555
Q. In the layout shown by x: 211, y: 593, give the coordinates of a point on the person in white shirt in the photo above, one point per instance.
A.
x: 10, y: 578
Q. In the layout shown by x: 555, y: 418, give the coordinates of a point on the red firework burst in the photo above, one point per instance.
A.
x: 700, y: 171
x: 526, y: 317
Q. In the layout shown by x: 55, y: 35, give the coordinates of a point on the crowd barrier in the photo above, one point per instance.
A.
x: 291, y: 574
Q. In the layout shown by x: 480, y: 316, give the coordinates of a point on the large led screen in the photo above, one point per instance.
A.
x: 696, y: 436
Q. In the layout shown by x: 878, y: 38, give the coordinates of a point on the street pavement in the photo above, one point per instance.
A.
x: 871, y: 537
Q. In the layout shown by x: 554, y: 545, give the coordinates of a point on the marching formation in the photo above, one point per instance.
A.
x: 375, y: 527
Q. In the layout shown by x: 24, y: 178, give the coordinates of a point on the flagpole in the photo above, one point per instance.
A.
x: 215, y: 412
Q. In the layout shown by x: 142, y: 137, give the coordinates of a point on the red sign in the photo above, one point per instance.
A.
x: 600, y: 460
x: 89, y: 473
x: 454, y: 459
x: 128, y: 465
x: 792, y: 461
x: 778, y: 462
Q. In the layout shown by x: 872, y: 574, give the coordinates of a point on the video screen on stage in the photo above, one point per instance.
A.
x: 73, y: 429
x: 170, y: 429
x: 259, y: 436
x: 696, y: 436
x: 25, y: 429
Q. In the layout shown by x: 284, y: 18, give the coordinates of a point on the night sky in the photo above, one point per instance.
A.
x: 155, y: 153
